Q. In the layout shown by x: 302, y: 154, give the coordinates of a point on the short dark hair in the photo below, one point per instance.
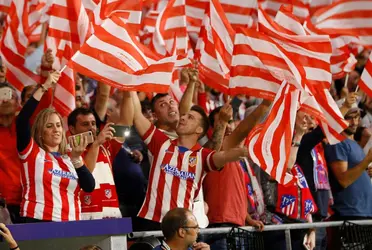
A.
x: 204, y: 120
x: 24, y: 90
x: 145, y: 105
x: 156, y: 98
x: 213, y: 114
x: 174, y: 220
x: 72, y: 117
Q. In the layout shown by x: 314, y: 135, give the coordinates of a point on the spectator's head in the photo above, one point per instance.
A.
x: 362, y: 136
x: 147, y: 112
x: 47, y: 131
x: 113, y: 111
x: 368, y: 104
x: 82, y: 120
x: 80, y: 99
x: 195, y: 122
x: 165, y: 110
x: 91, y: 247
x: 353, y: 118
x: 8, y: 107
x: 301, y: 123
x: 27, y: 92
x: 214, y: 118
x: 352, y: 83
x: 180, y: 227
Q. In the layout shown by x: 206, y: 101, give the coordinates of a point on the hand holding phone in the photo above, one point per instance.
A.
x: 77, y: 138
x: 121, y: 130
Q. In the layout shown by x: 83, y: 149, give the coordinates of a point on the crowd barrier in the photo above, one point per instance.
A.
x: 110, y: 234
x: 285, y: 227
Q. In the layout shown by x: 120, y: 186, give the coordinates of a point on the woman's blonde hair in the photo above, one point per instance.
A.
x: 39, y: 126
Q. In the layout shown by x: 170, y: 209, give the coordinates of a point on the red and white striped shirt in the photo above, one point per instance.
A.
x: 50, y: 189
x: 175, y: 175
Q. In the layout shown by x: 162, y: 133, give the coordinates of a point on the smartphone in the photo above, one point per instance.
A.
x: 121, y: 131
x: 77, y: 138
x: 6, y: 94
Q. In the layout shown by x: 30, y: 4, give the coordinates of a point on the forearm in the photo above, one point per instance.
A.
x: 86, y: 179
x: 294, y: 150
x: 23, y: 126
x: 216, y: 141
x: 126, y: 110
x: 245, y: 127
x: 91, y: 156
x: 103, y: 94
x: 186, y: 100
x: 141, y: 123
x: 351, y: 175
x: 223, y: 157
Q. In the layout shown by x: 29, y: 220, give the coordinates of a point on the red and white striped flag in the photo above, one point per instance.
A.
x: 4, y: 7
x: 114, y: 56
x: 170, y: 30
x: 270, y: 143
x: 69, y: 27
x: 300, y: 8
x: 348, y: 23
x: 215, y: 48
x: 130, y: 11
x: 365, y: 82
x: 260, y: 65
x: 13, y: 46
x: 240, y: 13
x: 90, y: 6
x: 149, y: 20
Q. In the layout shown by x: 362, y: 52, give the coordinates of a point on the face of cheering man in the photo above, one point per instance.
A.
x: 166, y: 112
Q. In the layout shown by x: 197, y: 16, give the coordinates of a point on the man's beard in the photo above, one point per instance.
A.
x: 349, y: 131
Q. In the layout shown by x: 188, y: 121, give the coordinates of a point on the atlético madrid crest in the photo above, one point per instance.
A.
x: 108, y: 193
x: 87, y: 199
x: 192, y: 161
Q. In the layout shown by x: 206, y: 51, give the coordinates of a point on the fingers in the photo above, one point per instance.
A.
x: 260, y: 226
x: 4, y: 229
x: 200, y: 246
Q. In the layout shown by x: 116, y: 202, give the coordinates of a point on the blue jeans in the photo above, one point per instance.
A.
x: 321, y: 239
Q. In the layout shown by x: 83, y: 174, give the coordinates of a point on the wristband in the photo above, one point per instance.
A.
x: 295, y: 144
x: 14, y: 248
x: 44, y: 89
x: 45, y: 68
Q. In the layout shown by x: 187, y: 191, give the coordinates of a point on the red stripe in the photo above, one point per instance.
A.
x: 176, y: 182
x: 31, y: 160
x: 161, y: 185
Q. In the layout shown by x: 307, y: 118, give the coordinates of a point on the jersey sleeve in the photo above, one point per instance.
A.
x: 207, y: 157
x: 154, y: 139
x: 30, y: 149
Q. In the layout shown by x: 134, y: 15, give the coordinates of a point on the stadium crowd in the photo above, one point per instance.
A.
x: 178, y: 165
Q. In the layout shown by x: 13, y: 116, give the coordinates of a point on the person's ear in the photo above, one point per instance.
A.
x: 181, y: 232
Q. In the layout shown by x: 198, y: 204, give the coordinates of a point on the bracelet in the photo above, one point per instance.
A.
x: 77, y: 163
x: 44, y: 89
x: 14, y: 248
x: 296, y: 144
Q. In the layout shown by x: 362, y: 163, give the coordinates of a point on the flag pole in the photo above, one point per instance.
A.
x: 346, y: 80
x: 54, y: 90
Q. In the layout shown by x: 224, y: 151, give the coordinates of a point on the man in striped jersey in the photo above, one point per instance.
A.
x: 177, y: 166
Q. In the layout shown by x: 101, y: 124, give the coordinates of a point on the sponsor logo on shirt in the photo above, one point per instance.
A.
x: 184, y: 175
x: 62, y: 174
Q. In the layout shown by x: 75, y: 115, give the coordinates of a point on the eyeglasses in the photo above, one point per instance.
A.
x: 194, y: 227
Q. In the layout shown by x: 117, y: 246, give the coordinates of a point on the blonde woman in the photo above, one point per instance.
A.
x: 51, y: 180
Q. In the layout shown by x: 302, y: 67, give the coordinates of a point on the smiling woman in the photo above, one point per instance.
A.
x: 51, y: 179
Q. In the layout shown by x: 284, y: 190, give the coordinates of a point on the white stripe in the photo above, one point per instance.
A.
x: 60, y: 24
x: 60, y: 2
x: 194, y: 12
x: 254, y: 83
x: 244, y: 4
x: 344, y: 8
x: 71, y: 190
x: 240, y: 19
x: 290, y: 24
x: 27, y: 187
x: 318, y: 74
x: 117, y: 52
x: 175, y: 22
x: 57, y: 198
x: 219, y: 27
x: 25, y: 155
x: 349, y: 23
